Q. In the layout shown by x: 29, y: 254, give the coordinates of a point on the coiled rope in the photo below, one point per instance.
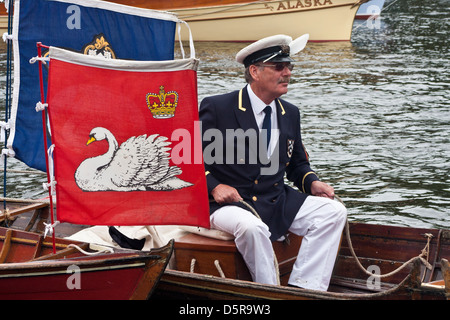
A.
x: 425, y: 252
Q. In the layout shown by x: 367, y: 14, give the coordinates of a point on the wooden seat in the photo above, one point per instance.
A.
x: 198, y: 254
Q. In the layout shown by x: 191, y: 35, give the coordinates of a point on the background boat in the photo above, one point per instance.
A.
x: 3, y: 18
x: 243, y: 20
x: 29, y: 270
x: 369, y: 9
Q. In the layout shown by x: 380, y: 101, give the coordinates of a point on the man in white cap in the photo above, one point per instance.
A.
x: 241, y: 179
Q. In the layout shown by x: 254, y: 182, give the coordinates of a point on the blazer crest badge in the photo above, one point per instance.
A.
x: 290, y: 147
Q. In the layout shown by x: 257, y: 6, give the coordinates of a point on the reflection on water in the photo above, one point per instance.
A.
x: 375, y: 114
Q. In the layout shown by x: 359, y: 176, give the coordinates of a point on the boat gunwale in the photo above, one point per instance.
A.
x: 410, y: 285
x: 83, y: 261
x: 18, y: 239
x: 146, y: 266
x: 219, y: 285
x: 191, y: 18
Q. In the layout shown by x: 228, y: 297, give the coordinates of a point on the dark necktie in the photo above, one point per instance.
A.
x: 267, y: 123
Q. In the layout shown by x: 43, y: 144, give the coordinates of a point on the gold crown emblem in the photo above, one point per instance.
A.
x: 162, y: 105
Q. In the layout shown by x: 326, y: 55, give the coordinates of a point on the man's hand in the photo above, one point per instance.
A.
x: 321, y: 189
x: 223, y: 193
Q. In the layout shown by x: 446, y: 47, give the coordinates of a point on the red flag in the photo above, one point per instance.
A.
x: 122, y: 130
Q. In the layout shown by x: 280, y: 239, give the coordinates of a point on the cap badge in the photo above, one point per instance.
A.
x: 285, y: 49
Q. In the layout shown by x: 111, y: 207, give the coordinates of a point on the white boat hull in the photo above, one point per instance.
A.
x: 324, y: 20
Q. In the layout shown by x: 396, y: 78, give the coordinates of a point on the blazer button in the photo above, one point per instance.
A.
x: 254, y: 198
x: 275, y: 184
x: 256, y: 181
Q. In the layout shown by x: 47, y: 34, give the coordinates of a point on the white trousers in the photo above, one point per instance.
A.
x: 320, y: 221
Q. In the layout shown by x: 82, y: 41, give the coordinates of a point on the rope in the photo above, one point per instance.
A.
x: 90, y: 253
x: 6, y: 36
x: 41, y: 106
x: 44, y: 60
x: 425, y: 252
x: 216, y: 263
x: 219, y: 268
x: 6, y: 215
x: 49, y: 228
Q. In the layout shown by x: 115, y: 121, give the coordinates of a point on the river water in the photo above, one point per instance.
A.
x: 375, y: 113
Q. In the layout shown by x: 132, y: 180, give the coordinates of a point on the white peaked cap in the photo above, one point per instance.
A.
x: 277, y: 48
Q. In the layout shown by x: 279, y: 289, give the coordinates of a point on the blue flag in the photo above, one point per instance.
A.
x: 86, y: 26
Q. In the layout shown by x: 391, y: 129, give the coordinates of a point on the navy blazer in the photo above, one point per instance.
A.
x: 275, y: 202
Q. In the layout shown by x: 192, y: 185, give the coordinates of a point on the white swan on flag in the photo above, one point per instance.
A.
x: 141, y: 163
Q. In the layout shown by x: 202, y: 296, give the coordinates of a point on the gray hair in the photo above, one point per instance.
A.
x: 247, y: 75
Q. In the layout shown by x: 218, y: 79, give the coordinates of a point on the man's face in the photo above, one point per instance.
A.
x: 272, y: 78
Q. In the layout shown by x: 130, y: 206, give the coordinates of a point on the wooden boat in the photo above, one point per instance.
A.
x: 13, y: 209
x: 383, y: 247
x: 208, y: 268
x: 244, y: 20
x: 3, y: 18
x: 30, y: 270
x: 31, y: 215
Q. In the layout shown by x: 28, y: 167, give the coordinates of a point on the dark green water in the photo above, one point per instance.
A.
x: 375, y: 113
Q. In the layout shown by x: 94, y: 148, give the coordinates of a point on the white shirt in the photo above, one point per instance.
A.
x: 258, y: 110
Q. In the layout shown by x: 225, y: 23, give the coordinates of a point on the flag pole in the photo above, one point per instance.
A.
x: 44, y: 125
x: 7, y: 95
